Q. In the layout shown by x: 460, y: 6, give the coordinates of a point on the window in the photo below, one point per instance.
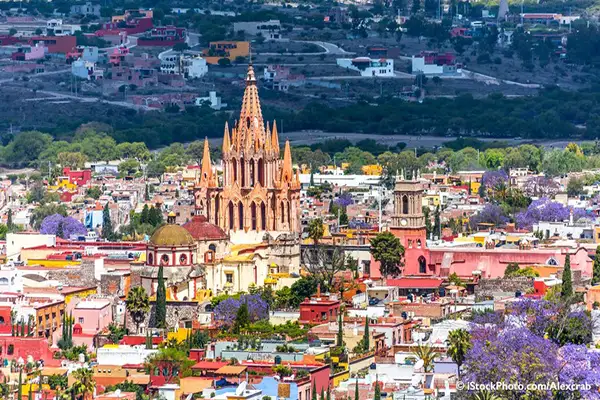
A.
x: 164, y: 260
x: 418, y: 243
x: 182, y: 259
x: 150, y: 259
x: 80, y: 320
x: 404, y: 204
x: 229, y: 278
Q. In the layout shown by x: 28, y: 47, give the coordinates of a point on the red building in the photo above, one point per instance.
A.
x: 132, y: 26
x: 56, y: 44
x: 79, y: 178
x: 6, y: 40
x: 15, y: 347
x: 163, y: 36
x: 318, y: 309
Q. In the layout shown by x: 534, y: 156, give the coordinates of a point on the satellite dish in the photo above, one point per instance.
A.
x: 419, y: 364
x: 415, y: 381
x: 241, y: 389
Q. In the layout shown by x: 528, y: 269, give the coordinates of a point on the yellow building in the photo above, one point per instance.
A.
x: 431, y: 200
x: 373, y: 169
x: 226, y: 49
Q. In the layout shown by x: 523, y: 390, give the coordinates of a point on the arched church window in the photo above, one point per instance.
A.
x: 263, y: 216
x: 212, y: 247
x: 241, y: 215
x: 261, y: 172
x: 422, y: 265
x: 164, y: 260
x: 410, y: 243
x: 151, y: 259
x: 253, y: 215
x: 552, y: 261
x: 182, y: 259
x: 404, y: 204
x: 282, y: 212
x: 418, y: 243
x: 235, y: 170
x: 231, y: 220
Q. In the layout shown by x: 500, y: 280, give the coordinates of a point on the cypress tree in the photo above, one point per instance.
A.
x: 322, y: 394
x: 567, y: 282
x: 107, y: 228
x: 20, y: 388
x: 596, y: 273
x: 147, y: 193
x: 161, y: 300
x: 9, y: 220
x: 328, y: 394
x: 340, y: 334
x: 356, y: 390
x: 377, y: 395
x: 437, y: 224
x: 366, y: 336
x: 60, y: 232
x: 314, y: 392
x: 242, y: 318
x: 148, y: 341
x: 144, y: 216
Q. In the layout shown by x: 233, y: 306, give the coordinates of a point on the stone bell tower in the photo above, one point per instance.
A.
x: 408, y: 224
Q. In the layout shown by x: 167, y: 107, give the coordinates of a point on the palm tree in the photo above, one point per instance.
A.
x: 459, y: 342
x: 84, y: 383
x: 428, y: 354
x: 138, y: 305
x: 316, y: 230
x: 485, y: 395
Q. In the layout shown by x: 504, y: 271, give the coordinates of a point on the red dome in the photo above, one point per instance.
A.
x: 201, y: 229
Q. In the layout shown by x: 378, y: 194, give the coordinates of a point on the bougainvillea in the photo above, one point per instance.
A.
x: 61, y: 226
x: 227, y: 309
x: 545, y: 209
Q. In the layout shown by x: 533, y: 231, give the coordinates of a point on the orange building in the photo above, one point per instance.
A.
x: 49, y: 317
x: 226, y: 49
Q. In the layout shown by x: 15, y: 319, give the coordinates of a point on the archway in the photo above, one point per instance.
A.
x: 404, y: 204
x: 422, y: 265
x: 263, y: 216
x: 230, y: 207
x: 261, y: 172
x: 241, y: 215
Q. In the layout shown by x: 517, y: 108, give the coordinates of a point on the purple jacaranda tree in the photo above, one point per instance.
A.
x: 492, y: 179
x: 540, y: 186
x: 547, y: 210
x: 491, y: 214
x: 579, y: 365
x: 226, y: 310
x: 344, y: 200
x: 61, y: 226
x: 516, y: 346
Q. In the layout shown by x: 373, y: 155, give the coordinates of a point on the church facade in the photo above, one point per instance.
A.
x: 258, y: 191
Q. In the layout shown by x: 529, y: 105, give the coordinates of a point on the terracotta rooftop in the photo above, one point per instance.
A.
x: 201, y: 229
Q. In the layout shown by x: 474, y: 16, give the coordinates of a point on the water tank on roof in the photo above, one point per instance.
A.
x: 277, y: 360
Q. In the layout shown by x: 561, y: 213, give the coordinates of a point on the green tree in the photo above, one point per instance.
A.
x: 366, y: 338
x: 314, y: 391
x: 195, y: 151
x: 161, y: 301
x: 316, y: 230
x: 567, y: 284
x: 575, y: 187
x: 94, y: 192
x: 107, y: 228
x: 84, y: 384
x: 437, y: 224
x: 144, y: 217
x: 9, y: 220
x: 389, y: 252
x: 511, y: 269
x: 459, y: 343
x: 596, y: 271
x: 340, y: 333
x: 428, y: 354
x: 377, y: 394
x: 356, y: 392
x: 242, y: 318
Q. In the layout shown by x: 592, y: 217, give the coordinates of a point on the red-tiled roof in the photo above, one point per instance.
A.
x: 415, y: 283
x: 137, y: 340
x: 209, y: 365
x: 201, y: 229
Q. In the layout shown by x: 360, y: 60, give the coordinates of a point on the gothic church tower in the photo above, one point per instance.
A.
x: 258, y: 191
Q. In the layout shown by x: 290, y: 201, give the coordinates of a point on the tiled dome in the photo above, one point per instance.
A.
x: 171, y: 235
x: 201, y: 229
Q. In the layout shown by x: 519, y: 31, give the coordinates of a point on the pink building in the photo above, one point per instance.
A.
x: 27, y: 53
x: 93, y: 315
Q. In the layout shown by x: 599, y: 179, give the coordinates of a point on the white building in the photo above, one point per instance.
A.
x: 367, y: 66
x: 190, y: 65
x: 121, y: 355
x: 431, y: 65
x: 270, y: 30
x: 86, y: 70
x: 57, y: 28
x: 213, y: 101
x: 15, y: 242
